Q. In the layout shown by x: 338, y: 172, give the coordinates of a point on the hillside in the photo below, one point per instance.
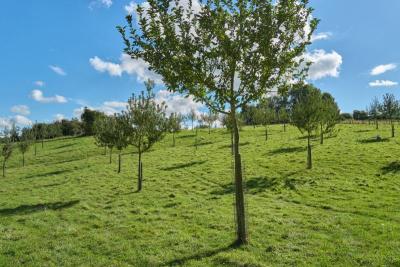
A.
x: 69, y: 207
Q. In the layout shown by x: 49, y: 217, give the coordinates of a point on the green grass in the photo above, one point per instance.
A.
x: 69, y: 207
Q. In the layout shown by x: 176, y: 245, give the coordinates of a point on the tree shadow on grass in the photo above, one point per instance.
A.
x: 65, y: 145
x: 393, y: 167
x: 240, y: 144
x: 201, y: 255
x: 287, y: 150
x: 184, y: 165
x: 186, y: 136
x: 47, y: 174
x: 373, y: 140
x: 253, y: 186
x: 203, y: 144
x: 28, y: 209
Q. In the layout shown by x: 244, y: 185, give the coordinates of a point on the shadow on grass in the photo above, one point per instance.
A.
x: 65, y: 145
x: 202, y: 255
x: 393, y: 167
x: 362, y: 131
x: 373, y: 140
x: 240, y: 144
x: 253, y: 186
x: 203, y: 144
x: 287, y: 150
x: 184, y: 165
x: 47, y: 174
x: 28, y: 209
x: 186, y: 136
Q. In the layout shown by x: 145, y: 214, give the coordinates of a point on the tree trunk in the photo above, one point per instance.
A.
x: 192, y: 125
x: 119, y: 161
x: 209, y: 128
x: 4, y: 168
x: 23, y: 159
x: 309, y: 159
x: 239, y: 192
x: 105, y: 150
x: 232, y: 150
x: 111, y: 155
x: 392, y: 129
x: 42, y: 143
x: 266, y: 133
x: 376, y: 123
x: 195, y: 141
x: 35, y: 147
x: 173, y: 138
x: 140, y: 169
x: 284, y: 127
x: 322, y: 136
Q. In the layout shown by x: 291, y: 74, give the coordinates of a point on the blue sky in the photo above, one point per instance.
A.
x: 58, y: 56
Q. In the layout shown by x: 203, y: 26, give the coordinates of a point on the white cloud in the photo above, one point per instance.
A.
x: 383, y: 83
x: 177, y: 103
x: 21, y: 109
x: 22, y: 120
x: 39, y: 83
x: 323, y: 64
x: 115, y: 104
x: 131, y: 7
x: 137, y: 67
x: 382, y: 69
x: 321, y: 36
x: 5, y: 123
x: 100, y: 3
x: 37, y: 95
x: 59, y: 117
x: 58, y: 70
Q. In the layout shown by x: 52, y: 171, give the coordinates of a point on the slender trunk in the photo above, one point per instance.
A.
x: 35, y: 147
x: 284, y: 127
x: 376, y: 124
x: 195, y: 141
x: 266, y: 132
x: 392, y: 128
x: 4, y: 168
x: 42, y: 143
x: 309, y: 159
x: 232, y: 150
x: 119, y: 161
x: 239, y: 192
x: 140, y: 171
x: 105, y: 150
x: 209, y: 128
x: 173, y: 138
x: 23, y: 159
x: 111, y: 154
x: 322, y: 136
x: 192, y: 125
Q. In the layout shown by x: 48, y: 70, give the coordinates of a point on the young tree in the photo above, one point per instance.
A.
x: 209, y: 118
x: 88, y: 118
x: 175, y: 125
x: 306, y: 104
x: 120, y: 138
x: 25, y: 141
x: 390, y: 108
x: 374, y: 111
x: 264, y: 115
x: 104, y: 132
x: 192, y: 116
x: 330, y: 115
x: 224, y: 53
x: 6, y: 149
x: 147, y: 122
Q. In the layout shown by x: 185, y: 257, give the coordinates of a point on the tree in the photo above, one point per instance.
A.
x: 390, y: 108
x: 175, y: 125
x: 104, y: 129
x: 330, y: 115
x: 88, y: 118
x: 120, y: 138
x: 25, y: 142
x: 374, y: 110
x: 264, y: 115
x: 360, y: 115
x: 192, y: 116
x: 209, y: 118
x: 225, y: 54
x: 147, y: 122
x: 306, y: 104
x: 6, y: 150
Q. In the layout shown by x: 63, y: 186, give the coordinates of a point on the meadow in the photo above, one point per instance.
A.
x: 69, y: 207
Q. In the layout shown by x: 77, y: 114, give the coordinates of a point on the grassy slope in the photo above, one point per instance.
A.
x: 70, y: 207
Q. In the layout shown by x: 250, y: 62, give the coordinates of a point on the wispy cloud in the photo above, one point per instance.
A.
x: 321, y: 36
x: 58, y: 70
x: 100, y: 3
x: 59, y: 117
x: 380, y: 69
x: 38, y: 96
x: 383, y: 83
x: 21, y: 109
x: 39, y: 83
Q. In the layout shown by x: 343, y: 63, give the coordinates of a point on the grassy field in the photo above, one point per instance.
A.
x: 69, y: 207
